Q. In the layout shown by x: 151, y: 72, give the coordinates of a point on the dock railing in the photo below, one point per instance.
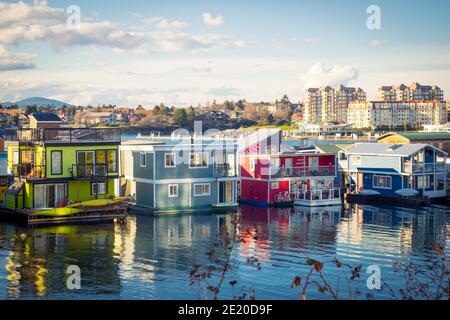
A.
x: 424, y: 167
x: 64, y: 135
x: 318, y: 195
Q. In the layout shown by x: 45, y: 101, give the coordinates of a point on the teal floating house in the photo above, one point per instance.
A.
x: 188, y: 176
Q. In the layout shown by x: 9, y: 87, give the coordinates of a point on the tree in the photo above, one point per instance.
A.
x: 265, y: 117
x: 31, y: 109
x: 180, y: 117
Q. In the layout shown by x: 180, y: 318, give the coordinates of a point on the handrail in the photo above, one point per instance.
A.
x: 64, y: 135
x: 90, y: 171
x: 424, y: 167
x: 317, y: 194
x: 308, y: 171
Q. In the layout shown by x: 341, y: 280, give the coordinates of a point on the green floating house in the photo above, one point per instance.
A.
x: 55, y: 166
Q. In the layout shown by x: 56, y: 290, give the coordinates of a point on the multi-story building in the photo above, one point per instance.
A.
x: 413, y: 92
x: 330, y: 105
x: 55, y: 167
x: 376, y: 114
x: 395, y: 170
x: 179, y: 177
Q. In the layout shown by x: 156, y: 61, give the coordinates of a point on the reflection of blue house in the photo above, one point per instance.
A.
x: 179, y: 177
x: 397, y: 169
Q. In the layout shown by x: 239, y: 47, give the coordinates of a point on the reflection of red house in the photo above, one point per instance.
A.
x: 271, y: 179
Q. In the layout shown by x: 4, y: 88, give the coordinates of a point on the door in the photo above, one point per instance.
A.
x: 229, y: 192
x: 85, y: 163
x: 49, y: 195
x: 359, y: 182
x: 288, y: 165
x: 231, y: 160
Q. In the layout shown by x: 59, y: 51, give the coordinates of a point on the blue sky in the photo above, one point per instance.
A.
x: 147, y: 52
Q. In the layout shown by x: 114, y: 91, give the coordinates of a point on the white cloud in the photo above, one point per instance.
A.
x: 312, y: 40
x: 209, y: 20
x: 15, y: 61
x: 376, y: 43
x: 20, y: 22
x: 318, y: 75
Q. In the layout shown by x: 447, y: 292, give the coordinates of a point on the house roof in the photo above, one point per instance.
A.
x: 333, y: 148
x: 419, y: 136
x: 47, y: 117
x: 387, y: 149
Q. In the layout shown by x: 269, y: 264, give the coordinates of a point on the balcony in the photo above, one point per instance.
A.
x: 29, y: 171
x: 64, y: 135
x: 293, y: 172
x: 417, y: 168
x: 224, y: 171
x: 90, y: 171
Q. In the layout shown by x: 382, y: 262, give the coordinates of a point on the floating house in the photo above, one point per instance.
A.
x: 397, y: 170
x: 54, y: 167
x: 275, y: 175
x: 440, y: 140
x: 3, y: 174
x: 188, y: 176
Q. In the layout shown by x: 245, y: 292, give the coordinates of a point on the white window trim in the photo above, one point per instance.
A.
x: 252, y: 164
x: 202, y: 153
x: 202, y: 194
x: 427, y: 181
x: 277, y: 184
x: 384, y: 176
x: 140, y: 159
x: 174, y: 160
x: 168, y: 190
x: 98, y: 183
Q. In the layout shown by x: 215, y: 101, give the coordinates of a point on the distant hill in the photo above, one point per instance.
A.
x: 38, y: 101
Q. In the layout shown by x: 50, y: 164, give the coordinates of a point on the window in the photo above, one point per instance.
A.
x: 356, y: 160
x: 56, y: 159
x: 15, y: 157
x: 112, y: 160
x: 382, y: 182
x: 198, y: 160
x: 440, y: 183
x: 143, y: 159
x: 202, y: 189
x: 98, y: 188
x: 252, y: 164
x: 173, y: 190
x: 275, y: 185
x: 423, y: 181
x: 169, y: 160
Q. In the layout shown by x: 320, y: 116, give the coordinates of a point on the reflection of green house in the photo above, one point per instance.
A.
x: 56, y: 166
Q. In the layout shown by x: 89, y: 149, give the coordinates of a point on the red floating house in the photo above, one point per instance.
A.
x: 272, y: 175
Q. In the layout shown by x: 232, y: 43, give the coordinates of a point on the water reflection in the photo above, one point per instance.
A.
x: 150, y: 257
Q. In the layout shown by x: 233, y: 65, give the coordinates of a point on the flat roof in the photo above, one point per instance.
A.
x: 419, y: 136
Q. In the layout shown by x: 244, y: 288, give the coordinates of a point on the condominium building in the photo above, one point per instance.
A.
x: 413, y: 92
x: 327, y: 104
x: 375, y: 114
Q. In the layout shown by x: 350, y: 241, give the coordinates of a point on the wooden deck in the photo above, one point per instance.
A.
x: 99, y: 214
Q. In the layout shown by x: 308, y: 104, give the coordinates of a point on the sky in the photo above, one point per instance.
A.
x: 184, y: 52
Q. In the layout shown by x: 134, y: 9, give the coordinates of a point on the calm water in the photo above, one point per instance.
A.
x: 150, y: 257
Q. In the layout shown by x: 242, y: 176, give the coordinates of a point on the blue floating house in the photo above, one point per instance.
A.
x: 188, y: 176
x: 395, y: 170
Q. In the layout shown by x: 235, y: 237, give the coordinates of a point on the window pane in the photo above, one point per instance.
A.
x: 112, y: 160
x: 56, y: 162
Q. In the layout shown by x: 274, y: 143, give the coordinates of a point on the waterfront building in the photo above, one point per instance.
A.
x: 393, y: 170
x: 413, y: 92
x: 95, y: 118
x: 54, y: 167
x: 179, y: 177
x: 409, y: 114
x: 330, y: 105
x: 3, y: 174
x: 440, y: 140
x: 273, y: 175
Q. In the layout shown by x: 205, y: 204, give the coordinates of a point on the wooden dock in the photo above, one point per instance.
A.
x: 88, y: 215
x: 412, y: 202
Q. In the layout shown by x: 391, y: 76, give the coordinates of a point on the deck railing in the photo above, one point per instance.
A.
x: 64, y: 135
x: 318, y: 195
x: 424, y: 167
x: 89, y: 171
x: 29, y: 171
x: 291, y: 172
x: 224, y: 171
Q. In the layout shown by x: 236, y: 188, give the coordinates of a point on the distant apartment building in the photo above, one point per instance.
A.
x: 329, y: 104
x: 94, y: 118
x: 376, y: 114
x: 413, y: 92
